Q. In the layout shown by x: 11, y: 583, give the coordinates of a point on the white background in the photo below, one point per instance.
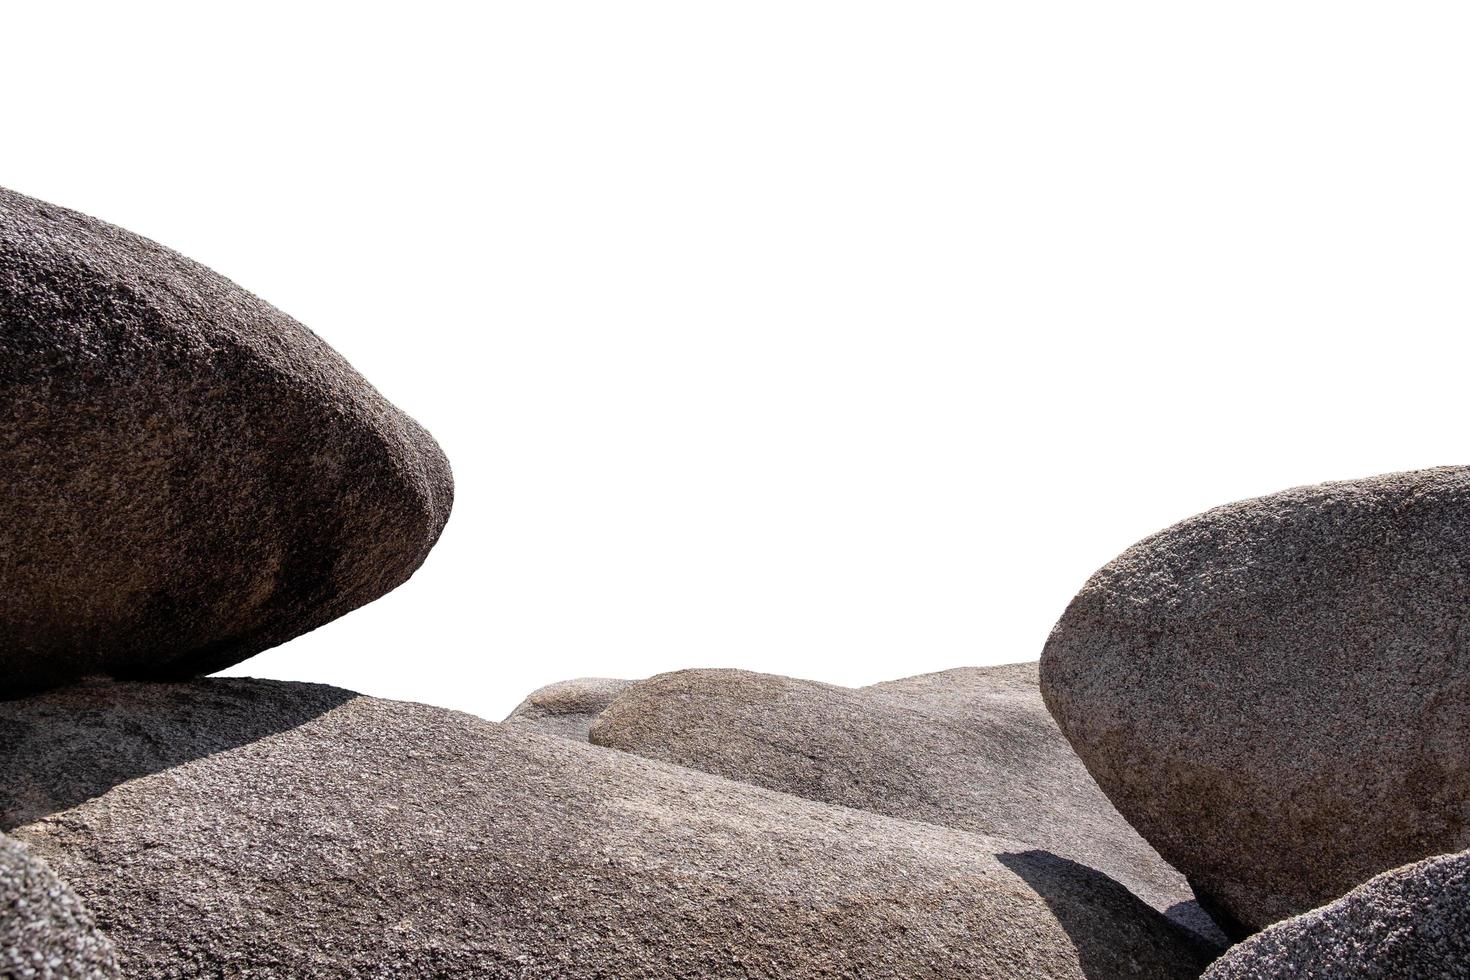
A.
x: 838, y: 340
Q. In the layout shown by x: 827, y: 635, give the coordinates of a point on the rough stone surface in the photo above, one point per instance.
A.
x: 972, y: 749
x: 190, y: 476
x: 234, y: 827
x: 1412, y: 922
x: 1276, y: 693
x: 567, y: 708
x: 45, y: 933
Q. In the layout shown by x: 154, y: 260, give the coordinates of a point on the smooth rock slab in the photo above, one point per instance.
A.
x: 231, y: 827
x: 189, y: 475
x: 1411, y: 922
x: 973, y: 749
x: 1276, y: 693
x: 45, y: 933
x: 566, y: 708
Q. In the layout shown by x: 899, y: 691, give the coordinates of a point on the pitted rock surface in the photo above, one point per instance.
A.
x: 45, y: 933
x: 190, y: 476
x: 972, y: 748
x: 287, y: 830
x: 566, y: 708
x: 1412, y: 923
x: 1276, y: 693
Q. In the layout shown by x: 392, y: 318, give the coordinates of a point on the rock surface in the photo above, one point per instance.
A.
x: 1411, y: 922
x: 45, y: 933
x: 190, y: 475
x: 566, y: 708
x: 1276, y: 693
x: 973, y: 749
x: 221, y: 826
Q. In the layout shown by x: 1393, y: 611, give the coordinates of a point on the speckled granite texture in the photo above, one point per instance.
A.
x: 272, y: 830
x: 566, y: 708
x: 1276, y: 693
x: 1411, y: 923
x: 190, y: 476
x: 45, y: 933
x: 972, y: 748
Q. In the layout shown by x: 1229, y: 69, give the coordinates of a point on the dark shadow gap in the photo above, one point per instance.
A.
x: 61, y: 747
x: 1074, y: 892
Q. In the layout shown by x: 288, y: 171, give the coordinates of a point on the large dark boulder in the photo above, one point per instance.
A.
x: 234, y: 827
x: 972, y: 749
x: 1276, y: 693
x: 1412, y: 923
x: 45, y: 933
x: 187, y: 475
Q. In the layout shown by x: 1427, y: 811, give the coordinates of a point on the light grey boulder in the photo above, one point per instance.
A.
x: 45, y: 932
x: 1412, y: 923
x: 973, y: 749
x: 187, y: 475
x: 566, y: 708
x: 233, y: 827
x: 1276, y: 693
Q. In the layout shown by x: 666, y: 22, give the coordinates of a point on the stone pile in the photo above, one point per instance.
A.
x: 1251, y: 727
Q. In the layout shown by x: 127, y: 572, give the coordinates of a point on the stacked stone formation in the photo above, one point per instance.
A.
x: 1265, y: 706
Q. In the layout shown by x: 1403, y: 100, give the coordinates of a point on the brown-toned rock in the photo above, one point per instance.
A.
x: 189, y: 475
x: 1276, y: 693
x: 566, y: 708
x: 226, y: 827
x: 972, y: 749
x: 45, y: 933
x: 1412, y: 923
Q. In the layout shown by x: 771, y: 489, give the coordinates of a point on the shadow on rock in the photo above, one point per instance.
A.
x: 1073, y: 890
x: 60, y: 748
x: 1195, y: 916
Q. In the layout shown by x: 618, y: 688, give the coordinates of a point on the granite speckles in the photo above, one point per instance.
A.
x: 45, y: 933
x: 1276, y: 693
x: 1412, y: 922
x: 302, y: 831
x: 190, y: 476
x: 972, y: 748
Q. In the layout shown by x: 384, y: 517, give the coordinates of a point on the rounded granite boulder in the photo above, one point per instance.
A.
x: 228, y: 827
x: 45, y: 933
x: 190, y: 476
x: 972, y: 749
x: 1412, y: 922
x: 1276, y: 693
x: 567, y: 708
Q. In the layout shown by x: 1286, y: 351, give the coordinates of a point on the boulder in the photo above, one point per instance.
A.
x: 1276, y: 693
x: 566, y: 708
x: 45, y: 933
x: 1412, y: 922
x: 973, y: 749
x: 219, y: 826
x: 190, y: 475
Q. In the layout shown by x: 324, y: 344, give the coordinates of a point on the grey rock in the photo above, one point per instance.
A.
x: 189, y: 475
x: 566, y: 708
x: 45, y: 933
x: 973, y: 749
x: 1412, y: 922
x: 1276, y: 693
x: 266, y: 829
